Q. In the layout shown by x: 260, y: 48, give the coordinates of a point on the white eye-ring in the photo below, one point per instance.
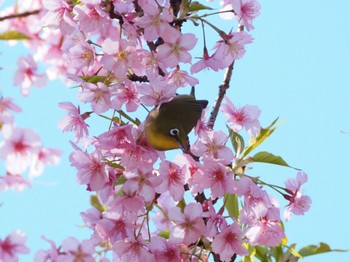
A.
x: 174, y: 132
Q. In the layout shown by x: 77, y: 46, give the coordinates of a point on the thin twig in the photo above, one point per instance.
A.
x: 19, y: 15
x: 222, y: 91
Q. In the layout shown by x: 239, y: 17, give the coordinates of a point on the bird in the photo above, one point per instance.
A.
x: 167, y: 126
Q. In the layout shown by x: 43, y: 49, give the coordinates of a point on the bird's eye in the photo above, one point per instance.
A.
x: 174, y: 132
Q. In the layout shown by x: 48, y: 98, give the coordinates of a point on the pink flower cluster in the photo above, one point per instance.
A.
x: 21, y: 150
x: 13, y: 245
x: 124, y: 54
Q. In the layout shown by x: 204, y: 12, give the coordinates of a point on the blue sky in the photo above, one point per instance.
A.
x: 297, y: 69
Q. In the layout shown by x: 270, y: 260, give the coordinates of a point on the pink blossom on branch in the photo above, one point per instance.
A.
x: 165, y: 250
x: 154, y: 22
x: 206, y: 62
x: 44, y: 157
x: 19, y: 149
x: 244, y: 117
x: 91, y: 169
x: 175, y: 48
x: 59, y: 16
x: 214, y: 175
x: 47, y: 255
x: 133, y: 249
x: 298, y: 202
x: 98, y: 95
x: 119, y: 56
x: 189, y: 226
x: 13, y: 245
x: 173, y: 180
x: 73, y: 251
x: 126, y: 93
x: 92, y: 18
x: 231, y: 48
x: 245, y: 11
x: 159, y: 90
x: 13, y: 182
x: 26, y: 75
x: 229, y: 242
x: 211, y: 144
x: 7, y: 104
x: 74, y: 121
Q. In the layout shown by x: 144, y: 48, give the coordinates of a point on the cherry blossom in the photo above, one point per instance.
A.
x: 154, y: 22
x: 74, y: 121
x: 229, y: 242
x: 7, y: 104
x: 231, y: 48
x: 245, y: 117
x: 176, y: 47
x: 214, y: 175
x: 127, y: 94
x: 92, y: 18
x: 143, y: 182
x: 189, y: 225
x: 116, y: 226
x: 13, y: 245
x: 47, y: 255
x: 133, y: 249
x: 119, y: 56
x: 172, y: 179
x: 26, y: 75
x: 245, y: 11
x: 13, y: 182
x: 165, y: 250
x: 265, y: 229
x: 59, y: 16
x: 76, y: 251
x: 216, y: 221
x: 98, y: 95
x: 81, y: 55
x: 162, y: 221
x: 91, y: 169
x: 44, y: 157
x: 299, y: 203
x: 159, y: 90
x: 19, y: 149
x: 206, y: 62
x: 211, y: 144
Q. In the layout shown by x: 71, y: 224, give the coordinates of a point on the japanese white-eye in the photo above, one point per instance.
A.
x: 167, y: 126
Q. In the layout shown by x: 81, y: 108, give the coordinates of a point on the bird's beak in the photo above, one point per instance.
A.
x: 184, y: 147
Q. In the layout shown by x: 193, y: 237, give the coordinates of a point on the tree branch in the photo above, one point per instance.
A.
x: 222, y: 91
x: 20, y: 15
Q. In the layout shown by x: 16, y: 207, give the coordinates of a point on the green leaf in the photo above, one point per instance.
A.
x: 294, y: 252
x: 96, y: 203
x: 134, y: 121
x: 121, y: 180
x: 231, y: 205
x: 261, y: 253
x: 261, y: 137
x: 13, y: 35
x: 182, y: 204
x: 164, y: 234
x: 278, y: 252
x: 95, y: 79
x: 196, y: 6
x: 318, y: 249
x: 266, y: 157
x: 237, y: 141
x: 114, y: 164
x: 251, y: 250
